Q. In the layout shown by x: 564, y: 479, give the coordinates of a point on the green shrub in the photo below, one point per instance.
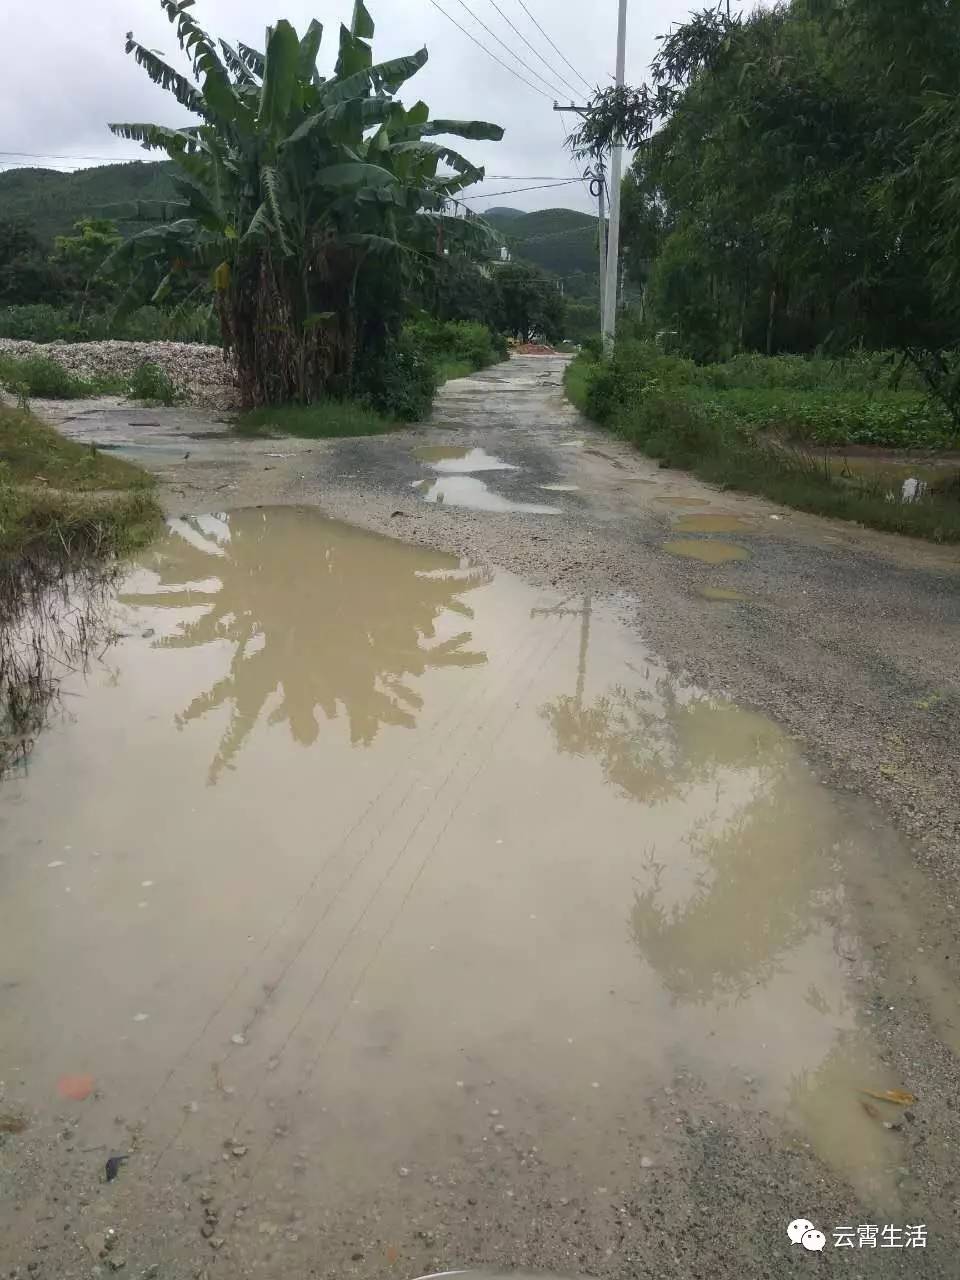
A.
x: 890, y: 419
x: 457, y: 341
x: 150, y: 382
x: 37, y: 323
x: 41, y: 377
x: 719, y: 436
x: 41, y: 322
x: 400, y: 382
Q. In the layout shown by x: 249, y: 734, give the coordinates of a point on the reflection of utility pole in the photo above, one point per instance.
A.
x: 585, y: 612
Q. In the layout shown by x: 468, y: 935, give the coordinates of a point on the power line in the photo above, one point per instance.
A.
x: 552, y: 87
x: 488, y: 195
x: 554, y: 47
x: 53, y: 155
x: 553, y: 71
x: 482, y: 46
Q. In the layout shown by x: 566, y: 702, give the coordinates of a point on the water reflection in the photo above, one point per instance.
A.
x: 321, y: 617
x: 54, y: 615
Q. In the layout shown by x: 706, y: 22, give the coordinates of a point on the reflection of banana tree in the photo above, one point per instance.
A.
x: 656, y: 751
x: 761, y: 877
x: 320, y: 614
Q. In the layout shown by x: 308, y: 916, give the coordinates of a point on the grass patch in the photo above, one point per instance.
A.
x: 701, y: 434
x: 151, y: 383
x: 576, y: 380
x: 325, y: 420
x: 65, y: 497
x: 39, y: 377
x: 447, y: 369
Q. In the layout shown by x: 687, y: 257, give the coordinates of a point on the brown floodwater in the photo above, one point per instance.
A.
x: 713, y: 552
x: 713, y: 524
x: 359, y: 842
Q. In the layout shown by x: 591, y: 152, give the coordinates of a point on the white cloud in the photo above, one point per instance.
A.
x: 87, y: 80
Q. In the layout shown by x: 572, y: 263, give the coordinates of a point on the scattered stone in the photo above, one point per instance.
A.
x: 206, y: 1197
x: 404, y: 1173
x: 494, y: 1111
x: 207, y: 1230
x: 238, y: 1039
x: 116, y: 1262
x: 499, y: 1128
x: 646, y: 1162
x: 239, y: 1151
x: 217, y: 1242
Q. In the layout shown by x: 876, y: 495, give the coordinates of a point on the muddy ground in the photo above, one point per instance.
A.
x: 665, y: 1116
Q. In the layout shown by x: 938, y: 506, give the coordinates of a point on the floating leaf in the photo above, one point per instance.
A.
x: 899, y: 1096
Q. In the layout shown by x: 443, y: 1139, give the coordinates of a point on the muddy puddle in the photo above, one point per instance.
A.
x: 454, y: 460
x: 674, y: 501
x: 476, y: 495
x: 720, y: 523
x: 354, y: 859
x: 721, y: 593
x: 713, y: 552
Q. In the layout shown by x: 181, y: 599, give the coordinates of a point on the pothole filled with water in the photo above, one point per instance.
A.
x: 455, y: 460
x: 356, y: 840
x: 707, y: 552
x: 475, y: 495
x: 720, y: 523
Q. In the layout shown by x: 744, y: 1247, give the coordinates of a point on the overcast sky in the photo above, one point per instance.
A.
x: 65, y: 73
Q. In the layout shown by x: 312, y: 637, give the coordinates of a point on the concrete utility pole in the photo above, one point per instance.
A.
x: 616, y: 168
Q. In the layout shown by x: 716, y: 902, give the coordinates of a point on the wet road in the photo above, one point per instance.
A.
x: 397, y: 912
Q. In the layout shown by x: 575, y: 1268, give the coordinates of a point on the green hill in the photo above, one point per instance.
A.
x: 559, y: 240
x: 562, y: 241
x: 50, y: 202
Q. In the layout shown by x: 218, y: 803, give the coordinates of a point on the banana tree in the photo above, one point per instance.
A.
x: 311, y: 204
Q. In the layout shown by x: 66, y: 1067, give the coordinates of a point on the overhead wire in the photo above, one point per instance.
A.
x: 584, y: 80
x: 536, y: 53
x: 481, y: 45
x: 552, y: 87
x: 486, y: 195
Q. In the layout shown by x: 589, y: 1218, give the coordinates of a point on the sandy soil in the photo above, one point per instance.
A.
x: 659, y: 1149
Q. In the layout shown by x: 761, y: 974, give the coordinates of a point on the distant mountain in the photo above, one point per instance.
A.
x: 51, y: 201
x: 562, y: 241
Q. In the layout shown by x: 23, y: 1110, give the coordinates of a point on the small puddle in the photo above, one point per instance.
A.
x: 721, y: 593
x: 474, y: 495
x: 672, y: 501
x: 713, y: 524
x: 708, y: 552
x: 560, y: 488
x: 401, y: 836
x: 453, y: 460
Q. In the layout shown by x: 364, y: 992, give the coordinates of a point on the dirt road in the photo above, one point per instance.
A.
x: 574, y: 900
